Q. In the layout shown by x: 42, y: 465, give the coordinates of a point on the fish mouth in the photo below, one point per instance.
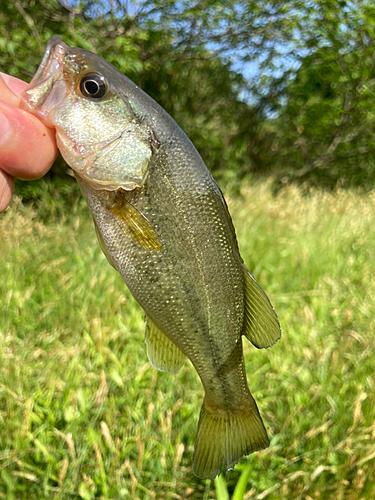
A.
x: 49, y: 71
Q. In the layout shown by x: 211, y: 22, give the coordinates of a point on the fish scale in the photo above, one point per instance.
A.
x: 163, y: 224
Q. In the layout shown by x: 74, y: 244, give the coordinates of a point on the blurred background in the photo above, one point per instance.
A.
x: 278, y: 99
x: 260, y: 87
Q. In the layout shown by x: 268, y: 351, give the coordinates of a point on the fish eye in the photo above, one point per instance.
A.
x: 93, y: 86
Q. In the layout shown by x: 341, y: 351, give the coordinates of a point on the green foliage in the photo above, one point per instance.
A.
x: 324, y: 131
x: 310, y: 117
x: 201, y: 93
x: 83, y: 414
x: 25, y: 28
x: 302, y: 109
x: 241, y: 486
x: 221, y: 488
x: 56, y: 194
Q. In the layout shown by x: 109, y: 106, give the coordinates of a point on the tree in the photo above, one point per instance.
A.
x: 259, y: 86
x: 196, y: 87
x: 324, y: 132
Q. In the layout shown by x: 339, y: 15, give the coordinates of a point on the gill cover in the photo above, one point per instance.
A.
x: 97, y: 131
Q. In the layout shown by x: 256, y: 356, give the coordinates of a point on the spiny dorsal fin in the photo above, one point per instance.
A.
x: 102, y: 245
x: 162, y: 353
x: 261, y: 324
x: 135, y: 225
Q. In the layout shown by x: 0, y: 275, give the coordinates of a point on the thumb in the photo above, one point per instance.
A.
x: 10, y: 88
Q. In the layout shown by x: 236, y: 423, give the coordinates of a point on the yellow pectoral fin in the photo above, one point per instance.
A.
x: 136, y: 226
x: 102, y: 245
x: 262, y: 326
x: 162, y: 353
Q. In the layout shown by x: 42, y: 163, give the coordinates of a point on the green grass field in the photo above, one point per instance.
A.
x: 82, y: 413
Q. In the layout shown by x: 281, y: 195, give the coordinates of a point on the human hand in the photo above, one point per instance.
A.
x: 27, y: 147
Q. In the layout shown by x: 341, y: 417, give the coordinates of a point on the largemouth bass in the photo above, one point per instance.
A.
x: 163, y: 224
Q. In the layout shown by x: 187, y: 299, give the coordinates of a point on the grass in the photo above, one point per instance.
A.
x: 84, y: 416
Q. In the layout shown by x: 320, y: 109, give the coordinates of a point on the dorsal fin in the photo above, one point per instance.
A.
x: 261, y: 325
x: 162, y: 353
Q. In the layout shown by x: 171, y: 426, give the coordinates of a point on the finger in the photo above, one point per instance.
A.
x: 6, y: 190
x: 27, y: 147
x: 14, y: 84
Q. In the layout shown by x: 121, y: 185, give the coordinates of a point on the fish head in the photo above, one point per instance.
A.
x: 98, y: 130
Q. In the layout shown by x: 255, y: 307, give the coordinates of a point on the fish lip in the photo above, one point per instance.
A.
x: 47, y: 73
x: 51, y: 46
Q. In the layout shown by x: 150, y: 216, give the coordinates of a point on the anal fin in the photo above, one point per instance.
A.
x: 162, y: 353
x: 261, y: 325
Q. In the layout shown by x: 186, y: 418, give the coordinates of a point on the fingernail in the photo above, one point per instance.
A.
x: 5, y: 130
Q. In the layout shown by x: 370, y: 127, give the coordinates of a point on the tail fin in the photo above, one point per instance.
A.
x: 224, y: 436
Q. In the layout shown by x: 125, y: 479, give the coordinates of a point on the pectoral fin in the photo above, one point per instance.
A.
x: 162, y: 353
x: 136, y: 226
x: 261, y: 326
